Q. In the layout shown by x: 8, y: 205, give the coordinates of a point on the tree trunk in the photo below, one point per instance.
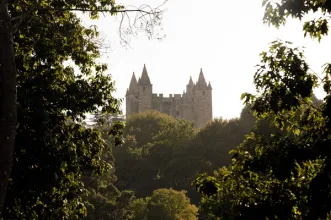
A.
x: 8, y: 96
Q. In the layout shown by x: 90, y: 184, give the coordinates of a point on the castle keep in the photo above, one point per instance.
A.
x: 195, y: 104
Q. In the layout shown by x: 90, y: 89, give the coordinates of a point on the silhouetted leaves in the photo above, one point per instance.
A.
x: 283, y: 174
x: 53, y: 147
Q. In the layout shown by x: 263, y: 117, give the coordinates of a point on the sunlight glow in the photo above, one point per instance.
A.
x: 223, y: 37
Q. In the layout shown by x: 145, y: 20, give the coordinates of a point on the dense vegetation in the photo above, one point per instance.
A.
x: 161, y: 152
x: 285, y: 175
x: 43, y: 102
x: 154, y: 166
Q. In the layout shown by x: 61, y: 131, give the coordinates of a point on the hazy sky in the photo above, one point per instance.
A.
x: 222, y: 37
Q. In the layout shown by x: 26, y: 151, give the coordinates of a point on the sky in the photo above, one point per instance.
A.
x: 222, y: 37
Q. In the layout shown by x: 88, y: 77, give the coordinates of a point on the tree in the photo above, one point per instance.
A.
x: 100, y: 207
x: 283, y: 173
x: 161, y: 152
x: 277, y: 13
x: 152, y: 141
x: 16, y: 19
x: 216, y: 140
x: 52, y: 101
x: 287, y: 175
x: 102, y: 195
x: 104, y: 200
x: 105, y: 121
x: 8, y: 108
x: 164, y: 204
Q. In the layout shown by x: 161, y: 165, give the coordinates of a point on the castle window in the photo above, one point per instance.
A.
x: 177, y: 113
x: 144, y: 88
x: 203, y: 93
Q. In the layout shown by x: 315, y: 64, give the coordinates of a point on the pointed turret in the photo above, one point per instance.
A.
x: 202, y: 107
x: 144, y: 80
x: 209, y: 86
x: 132, y: 94
x: 133, y: 84
x: 189, y: 86
x: 190, y: 83
x: 201, y: 81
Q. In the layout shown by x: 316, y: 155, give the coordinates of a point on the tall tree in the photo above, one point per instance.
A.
x: 8, y: 108
x: 287, y: 176
x: 18, y: 22
x: 35, y: 39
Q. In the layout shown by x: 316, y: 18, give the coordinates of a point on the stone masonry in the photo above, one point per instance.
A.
x: 195, y: 104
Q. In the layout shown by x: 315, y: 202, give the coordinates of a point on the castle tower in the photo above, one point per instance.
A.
x: 187, y: 106
x: 145, y: 90
x: 132, y: 97
x: 202, y: 101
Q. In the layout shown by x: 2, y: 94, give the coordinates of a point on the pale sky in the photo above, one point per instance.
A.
x: 222, y: 37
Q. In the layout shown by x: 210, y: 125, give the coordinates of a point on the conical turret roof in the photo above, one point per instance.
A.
x: 190, y: 83
x: 144, y: 80
x: 209, y: 86
x: 133, y: 84
x: 201, y: 81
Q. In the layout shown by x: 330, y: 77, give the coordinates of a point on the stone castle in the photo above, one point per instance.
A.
x: 195, y: 104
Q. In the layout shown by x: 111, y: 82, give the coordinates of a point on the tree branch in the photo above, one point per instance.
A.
x: 148, y: 16
x: 97, y: 10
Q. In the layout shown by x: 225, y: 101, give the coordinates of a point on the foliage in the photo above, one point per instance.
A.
x: 162, y: 152
x: 51, y: 141
x: 103, y: 121
x: 152, y: 141
x: 217, y: 138
x: 109, y: 208
x: 152, y: 126
x: 164, y: 204
x: 139, y: 208
x: 276, y: 14
x: 104, y: 200
x: 37, y: 37
x: 286, y: 174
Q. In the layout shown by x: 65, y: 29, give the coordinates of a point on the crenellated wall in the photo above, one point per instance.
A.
x: 169, y: 105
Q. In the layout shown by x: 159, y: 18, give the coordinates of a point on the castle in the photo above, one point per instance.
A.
x: 195, y: 104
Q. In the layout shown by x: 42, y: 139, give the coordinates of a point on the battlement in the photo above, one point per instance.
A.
x: 160, y: 95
